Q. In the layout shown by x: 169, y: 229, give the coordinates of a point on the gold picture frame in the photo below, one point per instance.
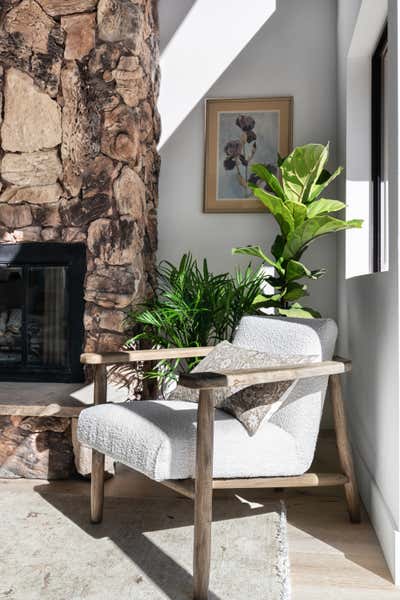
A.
x: 240, y: 131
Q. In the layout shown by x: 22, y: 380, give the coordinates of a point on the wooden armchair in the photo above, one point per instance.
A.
x: 200, y: 487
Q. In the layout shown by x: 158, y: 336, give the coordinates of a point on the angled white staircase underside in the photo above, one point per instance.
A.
x: 208, y: 40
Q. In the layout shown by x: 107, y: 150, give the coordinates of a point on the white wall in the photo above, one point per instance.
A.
x: 293, y: 54
x: 171, y: 14
x: 368, y: 305
x: 200, y: 40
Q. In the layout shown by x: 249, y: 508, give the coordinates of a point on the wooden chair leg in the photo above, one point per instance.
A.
x: 97, y: 487
x: 344, y: 449
x: 203, y: 496
x: 97, y: 480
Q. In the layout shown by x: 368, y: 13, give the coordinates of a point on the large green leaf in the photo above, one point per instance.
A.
x: 278, y: 246
x: 315, y: 175
x: 302, y: 236
x: 277, y: 297
x: 295, y: 291
x: 325, y: 175
x: 260, y: 301
x: 254, y: 251
x: 302, y: 169
x: 268, y: 303
x: 299, y: 212
x: 263, y: 173
x: 319, y: 186
x: 275, y: 282
x: 296, y: 270
x: 322, y: 206
x: 298, y: 311
x: 277, y: 207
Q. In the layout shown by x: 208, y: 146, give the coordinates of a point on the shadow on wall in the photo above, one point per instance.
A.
x: 172, y: 14
x: 182, y: 224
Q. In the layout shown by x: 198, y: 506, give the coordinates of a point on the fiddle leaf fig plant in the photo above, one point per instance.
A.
x: 303, y: 216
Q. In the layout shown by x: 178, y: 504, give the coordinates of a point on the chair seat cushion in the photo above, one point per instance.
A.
x: 158, y: 438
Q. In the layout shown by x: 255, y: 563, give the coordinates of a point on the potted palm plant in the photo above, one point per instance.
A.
x: 192, y: 307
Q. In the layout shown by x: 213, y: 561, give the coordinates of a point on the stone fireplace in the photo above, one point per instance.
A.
x: 78, y: 194
x: 79, y: 126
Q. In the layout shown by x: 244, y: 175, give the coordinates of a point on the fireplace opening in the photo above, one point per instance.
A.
x: 41, y: 311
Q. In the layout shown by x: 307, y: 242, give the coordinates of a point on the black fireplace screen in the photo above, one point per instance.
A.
x: 41, y: 311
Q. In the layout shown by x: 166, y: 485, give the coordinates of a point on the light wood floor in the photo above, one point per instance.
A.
x: 330, y: 558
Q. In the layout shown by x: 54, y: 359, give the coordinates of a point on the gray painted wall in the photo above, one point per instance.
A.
x: 368, y: 308
x: 294, y: 54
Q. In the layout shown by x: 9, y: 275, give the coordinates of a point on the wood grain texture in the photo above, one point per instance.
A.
x: 97, y: 487
x: 100, y: 384
x: 97, y: 479
x: 111, y: 358
x: 306, y: 480
x: 209, y: 380
x: 344, y: 448
x: 185, y: 487
x: 203, y: 497
x: 346, y: 361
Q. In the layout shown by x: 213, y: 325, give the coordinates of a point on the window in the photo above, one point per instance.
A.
x: 379, y: 151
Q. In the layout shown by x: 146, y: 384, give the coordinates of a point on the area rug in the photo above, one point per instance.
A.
x: 141, y: 551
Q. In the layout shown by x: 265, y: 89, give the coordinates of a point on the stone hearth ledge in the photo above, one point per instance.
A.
x: 49, y: 401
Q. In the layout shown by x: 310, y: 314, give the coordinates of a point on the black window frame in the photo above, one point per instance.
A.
x: 377, y: 136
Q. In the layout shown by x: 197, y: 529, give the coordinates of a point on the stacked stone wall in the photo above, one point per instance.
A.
x: 79, y: 81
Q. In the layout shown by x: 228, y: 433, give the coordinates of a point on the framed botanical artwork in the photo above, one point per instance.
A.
x: 240, y: 133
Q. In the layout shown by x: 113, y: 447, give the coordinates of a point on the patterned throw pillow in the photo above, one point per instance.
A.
x: 249, y: 404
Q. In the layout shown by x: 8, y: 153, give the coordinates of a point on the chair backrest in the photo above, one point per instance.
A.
x: 301, y: 414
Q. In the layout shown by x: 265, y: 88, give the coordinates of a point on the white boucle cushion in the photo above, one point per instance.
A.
x: 158, y: 438
x: 301, y: 413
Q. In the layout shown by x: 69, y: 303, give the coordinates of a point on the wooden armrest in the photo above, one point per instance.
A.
x: 112, y: 358
x: 266, y: 375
